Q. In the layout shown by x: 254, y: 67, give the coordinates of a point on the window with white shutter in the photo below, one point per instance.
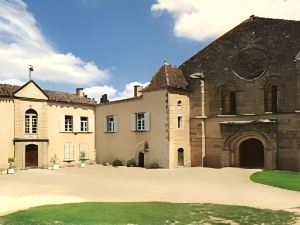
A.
x: 68, y: 152
x: 111, y: 124
x: 140, y: 121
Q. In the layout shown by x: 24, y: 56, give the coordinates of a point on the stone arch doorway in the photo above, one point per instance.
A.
x: 141, y: 159
x: 180, y: 153
x: 251, y: 153
x: 31, y: 156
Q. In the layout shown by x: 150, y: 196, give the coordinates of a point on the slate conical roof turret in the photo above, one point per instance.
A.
x: 167, y: 77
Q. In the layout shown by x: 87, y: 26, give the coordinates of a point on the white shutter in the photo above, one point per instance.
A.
x: 147, y: 121
x: 76, y: 124
x: 105, y: 124
x: 67, y: 151
x: 133, y: 122
x: 84, y: 147
x: 91, y: 124
x: 71, y: 151
x: 62, y: 123
x: 116, y: 123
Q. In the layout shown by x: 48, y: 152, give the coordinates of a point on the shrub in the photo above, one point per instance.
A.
x: 131, y: 163
x: 154, y: 166
x: 117, y: 163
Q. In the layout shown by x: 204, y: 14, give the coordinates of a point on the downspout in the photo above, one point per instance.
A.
x: 203, y: 117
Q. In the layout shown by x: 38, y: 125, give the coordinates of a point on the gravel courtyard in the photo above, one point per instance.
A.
x: 97, y: 183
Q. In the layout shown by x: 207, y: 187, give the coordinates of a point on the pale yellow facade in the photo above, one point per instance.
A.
x: 48, y: 138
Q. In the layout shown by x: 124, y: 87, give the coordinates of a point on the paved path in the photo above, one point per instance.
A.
x: 97, y: 183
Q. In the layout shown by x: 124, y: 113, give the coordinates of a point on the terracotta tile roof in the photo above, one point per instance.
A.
x: 277, y: 38
x: 167, y: 77
x: 7, y: 90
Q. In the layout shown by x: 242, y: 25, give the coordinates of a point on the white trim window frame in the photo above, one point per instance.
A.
x: 111, y: 124
x: 31, y: 120
x: 84, y: 121
x: 140, y: 121
x: 179, y: 122
x: 68, y: 123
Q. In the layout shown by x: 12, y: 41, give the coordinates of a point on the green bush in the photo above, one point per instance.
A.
x: 117, y: 163
x: 131, y: 163
x: 154, y: 166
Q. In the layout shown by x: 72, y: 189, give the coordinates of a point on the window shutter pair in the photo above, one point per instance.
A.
x: 84, y: 147
x: 69, y: 151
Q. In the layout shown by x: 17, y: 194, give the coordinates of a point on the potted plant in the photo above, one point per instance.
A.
x: 54, y: 162
x: 11, y: 167
x: 82, y: 158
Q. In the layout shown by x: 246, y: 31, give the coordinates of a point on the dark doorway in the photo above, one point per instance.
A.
x: 31, y: 156
x: 180, y: 157
x: 141, y: 159
x: 252, y: 154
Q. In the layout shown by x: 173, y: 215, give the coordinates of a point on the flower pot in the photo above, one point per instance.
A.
x: 11, y: 171
x: 82, y: 165
x: 55, y: 166
x: 3, y: 172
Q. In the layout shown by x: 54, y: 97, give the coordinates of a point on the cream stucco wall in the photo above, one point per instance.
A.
x: 6, y: 131
x: 126, y: 144
x: 58, y: 138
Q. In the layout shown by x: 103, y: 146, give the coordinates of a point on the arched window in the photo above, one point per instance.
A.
x: 31, y: 120
x: 228, y: 101
x: 179, y: 103
x: 271, y: 97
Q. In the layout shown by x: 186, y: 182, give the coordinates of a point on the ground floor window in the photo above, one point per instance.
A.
x: 68, y: 152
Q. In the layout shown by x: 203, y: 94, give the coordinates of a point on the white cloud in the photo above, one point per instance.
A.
x: 12, y: 82
x: 112, y: 93
x: 206, y: 19
x: 22, y: 43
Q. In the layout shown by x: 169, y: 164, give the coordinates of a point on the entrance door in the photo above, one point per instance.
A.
x: 141, y: 159
x: 31, y: 156
x: 180, y: 157
x: 251, y: 154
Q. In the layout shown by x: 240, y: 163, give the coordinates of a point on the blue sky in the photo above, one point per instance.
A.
x: 107, y: 46
x: 123, y: 36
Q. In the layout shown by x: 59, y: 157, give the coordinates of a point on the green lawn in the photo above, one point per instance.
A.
x: 282, y: 179
x: 146, y: 213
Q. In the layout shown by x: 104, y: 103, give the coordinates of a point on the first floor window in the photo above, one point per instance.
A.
x: 68, y: 123
x: 83, y: 124
x: 68, y: 152
x: 31, y: 119
x: 111, y: 124
x: 140, y: 121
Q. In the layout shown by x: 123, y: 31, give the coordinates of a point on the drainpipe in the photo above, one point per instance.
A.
x: 202, y: 117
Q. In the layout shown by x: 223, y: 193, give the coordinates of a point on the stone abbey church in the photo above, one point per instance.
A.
x: 236, y: 103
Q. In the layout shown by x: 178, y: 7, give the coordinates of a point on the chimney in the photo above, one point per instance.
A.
x: 104, y: 99
x: 138, y: 90
x: 79, y: 92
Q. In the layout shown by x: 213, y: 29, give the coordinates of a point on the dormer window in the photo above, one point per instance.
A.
x: 31, y: 121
